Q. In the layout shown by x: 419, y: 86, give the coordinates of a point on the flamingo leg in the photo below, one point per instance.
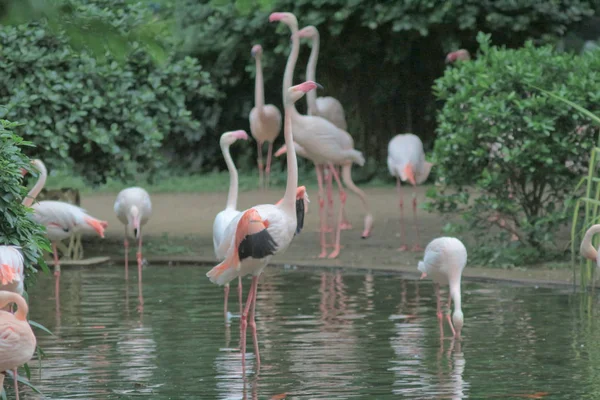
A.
x: 344, y: 224
x: 328, y: 181
x: 347, y: 178
x: 126, y: 246
x: 448, y: 317
x: 338, y: 231
x: 56, y: 277
x: 402, y: 247
x: 319, y: 170
x: 139, y: 264
x: 16, y: 384
x: 244, y: 324
x: 253, y: 324
x: 268, y: 166
x: 439, y: 309
x: 226, y: 290
x: 260, y: 164
x: 240, y: 301
x: 416, y: 247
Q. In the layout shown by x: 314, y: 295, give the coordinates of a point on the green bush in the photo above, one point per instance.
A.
x: 499, y: 137
x: 16, y: 226
x: 102, y: 118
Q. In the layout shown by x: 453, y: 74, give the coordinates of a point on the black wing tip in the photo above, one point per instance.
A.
x: 258, y: 245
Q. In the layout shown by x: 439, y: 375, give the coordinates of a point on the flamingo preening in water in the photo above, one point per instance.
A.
x: 133, y: 208
x: 17, y: 341
x: 224, y: 217
x: 262, y: 231
x: 323, y: 142
x: 60, y: 219
x: 444, y: 260
x: 265, y: 119
x: 586, y: 249
x: 406, y: 162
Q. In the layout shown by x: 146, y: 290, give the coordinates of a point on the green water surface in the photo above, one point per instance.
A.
x: 323, y: 335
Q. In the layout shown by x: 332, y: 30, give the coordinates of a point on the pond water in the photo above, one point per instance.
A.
x: 323, y: 335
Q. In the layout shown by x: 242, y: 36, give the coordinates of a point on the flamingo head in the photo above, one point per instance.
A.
x: 462, y: 55
x: 228, y: 138
x: 134, y: 221
x: 295, y: 93
x: 458, y: 321
x: 287, y: 18
x: 256, y: 51
x: 308, y: 32
x: 302, y: 195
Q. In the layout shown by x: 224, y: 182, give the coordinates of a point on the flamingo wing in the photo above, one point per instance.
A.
x: 252, y: 237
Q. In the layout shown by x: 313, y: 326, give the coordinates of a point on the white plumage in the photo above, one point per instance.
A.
x: 128, y: 201
x: 11, y: 269
x: 407, y: 149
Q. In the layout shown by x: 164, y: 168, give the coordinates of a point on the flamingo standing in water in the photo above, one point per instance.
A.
x: 133, y: 208
x: 265, y: 120
x: 223, y: 218
x: 263, y: 231
x: 60, y: 219
x: 17, y: 341
x: 406, y: 162
x: 586, y: 249
x: 445, y: 258
x: 323, y: 142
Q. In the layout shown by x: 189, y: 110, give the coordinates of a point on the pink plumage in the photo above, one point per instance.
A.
x: 11, y: 269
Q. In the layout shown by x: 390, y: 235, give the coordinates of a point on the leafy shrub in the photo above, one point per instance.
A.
x: 101, y: 118
x: 508, y: 156
x: 16, y: 226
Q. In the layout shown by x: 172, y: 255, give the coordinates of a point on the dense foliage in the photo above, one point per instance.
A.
x: 16, y: 227
x: 521, y: 152
x: 101, y: 118
x: 378, y: 58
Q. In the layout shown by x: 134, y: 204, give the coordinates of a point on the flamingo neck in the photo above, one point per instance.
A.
x: 289, y: 198
x: 288, y: 76
x: 586, y: 249
x: 259, y: 90
x: 455, y: 293
x: 39, y: 185
x: 22, y: 310
x: 311, y: 71
x: 233, y: 178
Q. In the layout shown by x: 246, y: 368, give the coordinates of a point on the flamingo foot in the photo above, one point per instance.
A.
x: 416, y: 247
x: 334, y: 253
x: 328, y: 229
x: 449, y: 319
x: 323, y: 254
x: 366, y: 234
x: 345, y: 226
x: 423, y: 275
x: 403, y: 248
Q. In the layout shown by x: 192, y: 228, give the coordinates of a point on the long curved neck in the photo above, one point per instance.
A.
x: 455, y: 293
x: 37, y: 188
x: 289, y: 198
x: 233, y: 178
x: 586, y: 249
x: 9, y: 297
x: 288, y: 76
x: 311, y: 72
x: 259, y: 90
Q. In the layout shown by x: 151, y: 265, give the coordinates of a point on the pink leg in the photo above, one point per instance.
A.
x: 253, y: 324
x: 338, y: 232
x: 56, y: 277
x: 260, y: 164
x: 16, y: 384
x: 402, y: 247
x: 126, y: 245
x: 328, y: 181
x: 448, y: 317
x: 416, y: 247
x: 349, y: 183
x: 319, y: 170
x: 240, y: 294
x: 440, y: 315
x: 344, y: 224
x: 268, y: 166
x: 244, y: 324
x: 226, y: 290
x: 139, y: 263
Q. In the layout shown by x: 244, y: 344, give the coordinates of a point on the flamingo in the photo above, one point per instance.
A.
x: 262, y: 231
x: 462, y: 55
x: 324, y: 143
x: 444, y: 260
x: 224, y: 217
x: 586, y: 249
x: 133, y: 208
x: 60, y: 219
x: 265, y: 120
x: 406, y: 162
x: 17, y: 341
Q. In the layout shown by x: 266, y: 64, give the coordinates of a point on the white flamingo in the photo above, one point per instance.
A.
x: 225, y: 217
x: 586, y: 249
x: 444, y: 260
x: 406, y: 162
x: 262, y: 231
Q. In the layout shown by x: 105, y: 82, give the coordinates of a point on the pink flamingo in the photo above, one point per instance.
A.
x: 60, y: 219
x: 11, y: 269
x: 406, y: 162
x: 133, y: 208
x: 586, y: 249
x: 445, y: 258
x: 323, y: 142
x: 17, y: 341
x: 462, y: 55
x: 262, y: 231
x: 224, y: 218
x: 265, y: 120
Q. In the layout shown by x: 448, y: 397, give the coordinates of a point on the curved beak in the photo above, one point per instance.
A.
x: 253, y: 53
